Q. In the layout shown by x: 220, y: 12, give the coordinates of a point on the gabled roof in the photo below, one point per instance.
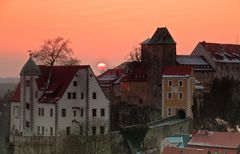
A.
x: 204, y: 138
x: 175, y: 150
x: 30, y: 68
x: 161, y: 36
x: 177, y: 70
x: 60, y: 78
x: 110, y: 76
x: 223, y: 52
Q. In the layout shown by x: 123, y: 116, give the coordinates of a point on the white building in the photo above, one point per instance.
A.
x: 58, y: 100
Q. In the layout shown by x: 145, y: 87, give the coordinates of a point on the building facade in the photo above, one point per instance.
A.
x: 58, y: 100
x: 223, y: 58
x: 178, y: 85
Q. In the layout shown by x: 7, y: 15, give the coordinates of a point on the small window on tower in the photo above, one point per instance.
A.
x: 75, y: 83
x: 27, y: 124
x: 94, y: 112
x: 27, y: 82
x: 81, y: 114
x: 94, y: 95
x: 170, y: 83
x: 27, y: 106
x: 82, y: 96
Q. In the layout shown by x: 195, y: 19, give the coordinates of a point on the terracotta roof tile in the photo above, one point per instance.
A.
x: 177, y: 70
x: 204, y: 138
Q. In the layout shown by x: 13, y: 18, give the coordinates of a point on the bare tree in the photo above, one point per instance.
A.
x: 55, y: 51
x: 135, y: 54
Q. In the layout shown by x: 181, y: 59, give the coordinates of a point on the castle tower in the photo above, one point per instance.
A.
x: 157, y: 52
x: 28, y: 93
x: 161, y: 48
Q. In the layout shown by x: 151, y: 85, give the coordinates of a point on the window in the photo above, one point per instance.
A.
x: 27, y: 124
x: 140, y: 101
x: 81, y: 114
x: 180, y: 95
x: 69, y: 95
x: 51, y: 112
x: 28, y: 83
x: 94, y: 130
x: 38, y: 130
x: 68, y: 130
x: 81, y: 130
x: 42, y: 130
x: 51, y: 131
x: 74, y: 113
x: 41, y: 111
x: 180, y: 83
x: 75, y: 83
x: 102, y: 130
x: 63, y: 112
x: 94, y: 112
x: 170, y: 83
x: 94, y: 95
x: 27, y: 106
x: 102, y: 112
x: 169, y: 111
x: 82, y: 96
x: 169, y: 95
x: 36, y: 94
x: 74, y: 95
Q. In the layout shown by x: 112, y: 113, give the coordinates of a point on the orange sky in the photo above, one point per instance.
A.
x: 106, y: 30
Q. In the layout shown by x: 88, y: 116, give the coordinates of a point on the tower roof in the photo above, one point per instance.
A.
x: 161, y: 36
x: 30, y: 68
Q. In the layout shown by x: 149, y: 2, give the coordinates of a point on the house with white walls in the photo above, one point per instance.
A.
x: 58, y: 101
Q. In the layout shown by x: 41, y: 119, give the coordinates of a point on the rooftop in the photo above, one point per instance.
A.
x: 204, y: 138
x: 161, y: 36
x: 223, y: 52
x: 177, y: 71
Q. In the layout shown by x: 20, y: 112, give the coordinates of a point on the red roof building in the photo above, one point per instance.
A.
x: 55, y: 100
x: 216, y: 142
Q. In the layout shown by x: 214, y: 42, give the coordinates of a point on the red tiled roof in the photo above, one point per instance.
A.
x: 204, y: 138
x: 138, y: 74
x: 177, y: 70
x: 16, y: 95
x: 114, y: 72
x: 60, y: 78
x: 175, y: 150
x: 226, y: 52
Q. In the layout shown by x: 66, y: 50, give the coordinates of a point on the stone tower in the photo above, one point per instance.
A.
x: 157, y: 52
x: 28, y: 95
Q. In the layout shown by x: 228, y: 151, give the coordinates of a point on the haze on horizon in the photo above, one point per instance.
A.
x: 105, y: 31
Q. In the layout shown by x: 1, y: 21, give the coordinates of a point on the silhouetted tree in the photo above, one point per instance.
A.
x: 55, y: 51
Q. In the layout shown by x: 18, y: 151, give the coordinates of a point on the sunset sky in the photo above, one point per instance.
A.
x: 106, y: 30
